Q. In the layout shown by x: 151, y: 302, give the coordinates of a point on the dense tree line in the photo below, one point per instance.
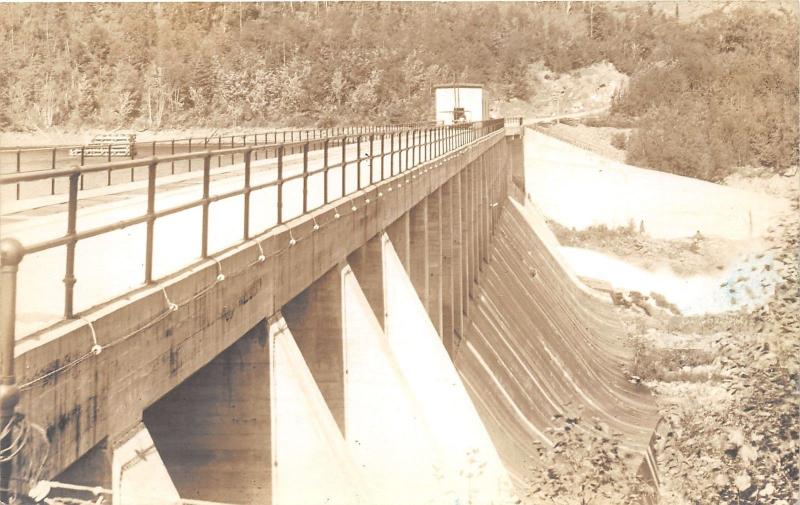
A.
x: 724, y: 88
x: 719, y: 94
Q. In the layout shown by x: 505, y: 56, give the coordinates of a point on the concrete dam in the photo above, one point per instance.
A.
x: 404, y: 342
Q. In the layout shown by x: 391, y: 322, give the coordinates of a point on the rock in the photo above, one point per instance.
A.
x: 768, y: 490
x: 736, y: 438
x: 742, y: 482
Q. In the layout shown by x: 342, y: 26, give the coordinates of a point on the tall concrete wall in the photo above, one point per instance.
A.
x: 323, y: 373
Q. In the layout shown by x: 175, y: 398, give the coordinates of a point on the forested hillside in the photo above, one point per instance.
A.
x: 723, y: 88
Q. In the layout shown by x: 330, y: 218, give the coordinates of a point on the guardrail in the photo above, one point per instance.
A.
x: 388, y: 155
x: 51, y: 158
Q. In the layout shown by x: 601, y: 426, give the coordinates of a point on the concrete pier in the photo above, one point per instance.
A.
x: 315, y: 319
x: 213, y: 430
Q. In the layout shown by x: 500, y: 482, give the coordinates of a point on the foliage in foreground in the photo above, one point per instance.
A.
x: 585, y: 465
x: 741, y: 447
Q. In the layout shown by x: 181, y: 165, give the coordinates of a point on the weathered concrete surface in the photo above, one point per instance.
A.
x: 311, y: 462
x: 419, y: 257
x: 139, y: 476
x: 462, y: 441
x: 253, y: 427
x: 386, y: 428
x: 538, y: 345
x: 367, y: 264
x: 316, y: 320
x: 578, y: 188
x: 213, y: 430
x: 435, y: 266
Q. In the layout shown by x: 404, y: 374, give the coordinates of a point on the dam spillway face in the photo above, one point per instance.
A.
x: 540, y: 349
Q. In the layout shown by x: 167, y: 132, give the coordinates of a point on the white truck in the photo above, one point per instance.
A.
x: 460, y: 103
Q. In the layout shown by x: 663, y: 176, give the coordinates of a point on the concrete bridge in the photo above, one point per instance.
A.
x: 388, y: 328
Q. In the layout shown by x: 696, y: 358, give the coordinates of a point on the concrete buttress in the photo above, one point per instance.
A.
x: 315, y: 319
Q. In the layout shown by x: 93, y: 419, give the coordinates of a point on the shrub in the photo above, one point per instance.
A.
x: 619, y: 140
x: 586, y: 464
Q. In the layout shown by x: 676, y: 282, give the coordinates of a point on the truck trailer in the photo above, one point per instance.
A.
x: 460, y: 103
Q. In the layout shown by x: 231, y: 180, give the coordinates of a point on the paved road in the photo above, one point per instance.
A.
x: 112, y: 264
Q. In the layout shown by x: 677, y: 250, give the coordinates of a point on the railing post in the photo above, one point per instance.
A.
x: 406, y: 152
x: 383, y: 155
x: 83, y: 154
x: 232, y: 154
x: 11, y: 254
x: 72, y: 216
x: 280, y: 183
x: 414, y: 148
x: 305, y: 176
x: 358, y: 161
x: 344, y: 164
x: 451, y: 141
x: 53, y: 166
x: 246, y: 224
x: 325, y: 169
x: 391, y: 154
x: 206, y: 193
x: 151, y: 220
x: 190, y: 152
x: 19, y: 154
x: 172, y: 151
x: 371, y: 156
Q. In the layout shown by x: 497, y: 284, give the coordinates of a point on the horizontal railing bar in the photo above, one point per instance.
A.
x: 37, y: 175
x: 186, y: 140
x: 264, y: 185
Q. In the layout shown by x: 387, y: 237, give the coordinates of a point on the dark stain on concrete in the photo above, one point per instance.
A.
x: 227, y: 313
x: 174, y: 361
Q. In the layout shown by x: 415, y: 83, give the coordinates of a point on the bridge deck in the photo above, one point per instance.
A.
x: 112, y: 264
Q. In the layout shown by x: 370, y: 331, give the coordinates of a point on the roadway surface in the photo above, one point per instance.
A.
x: 112, y: 264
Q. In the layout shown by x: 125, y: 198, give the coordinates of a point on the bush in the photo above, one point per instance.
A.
x: 586, y: 464
x: 619, y: 140
x: 726, y: 96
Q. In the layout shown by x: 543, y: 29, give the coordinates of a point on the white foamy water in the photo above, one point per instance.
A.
x: 748, y: 283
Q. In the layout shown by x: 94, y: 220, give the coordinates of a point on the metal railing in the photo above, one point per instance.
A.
x: 51, y: 158
x: 388, y: 154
